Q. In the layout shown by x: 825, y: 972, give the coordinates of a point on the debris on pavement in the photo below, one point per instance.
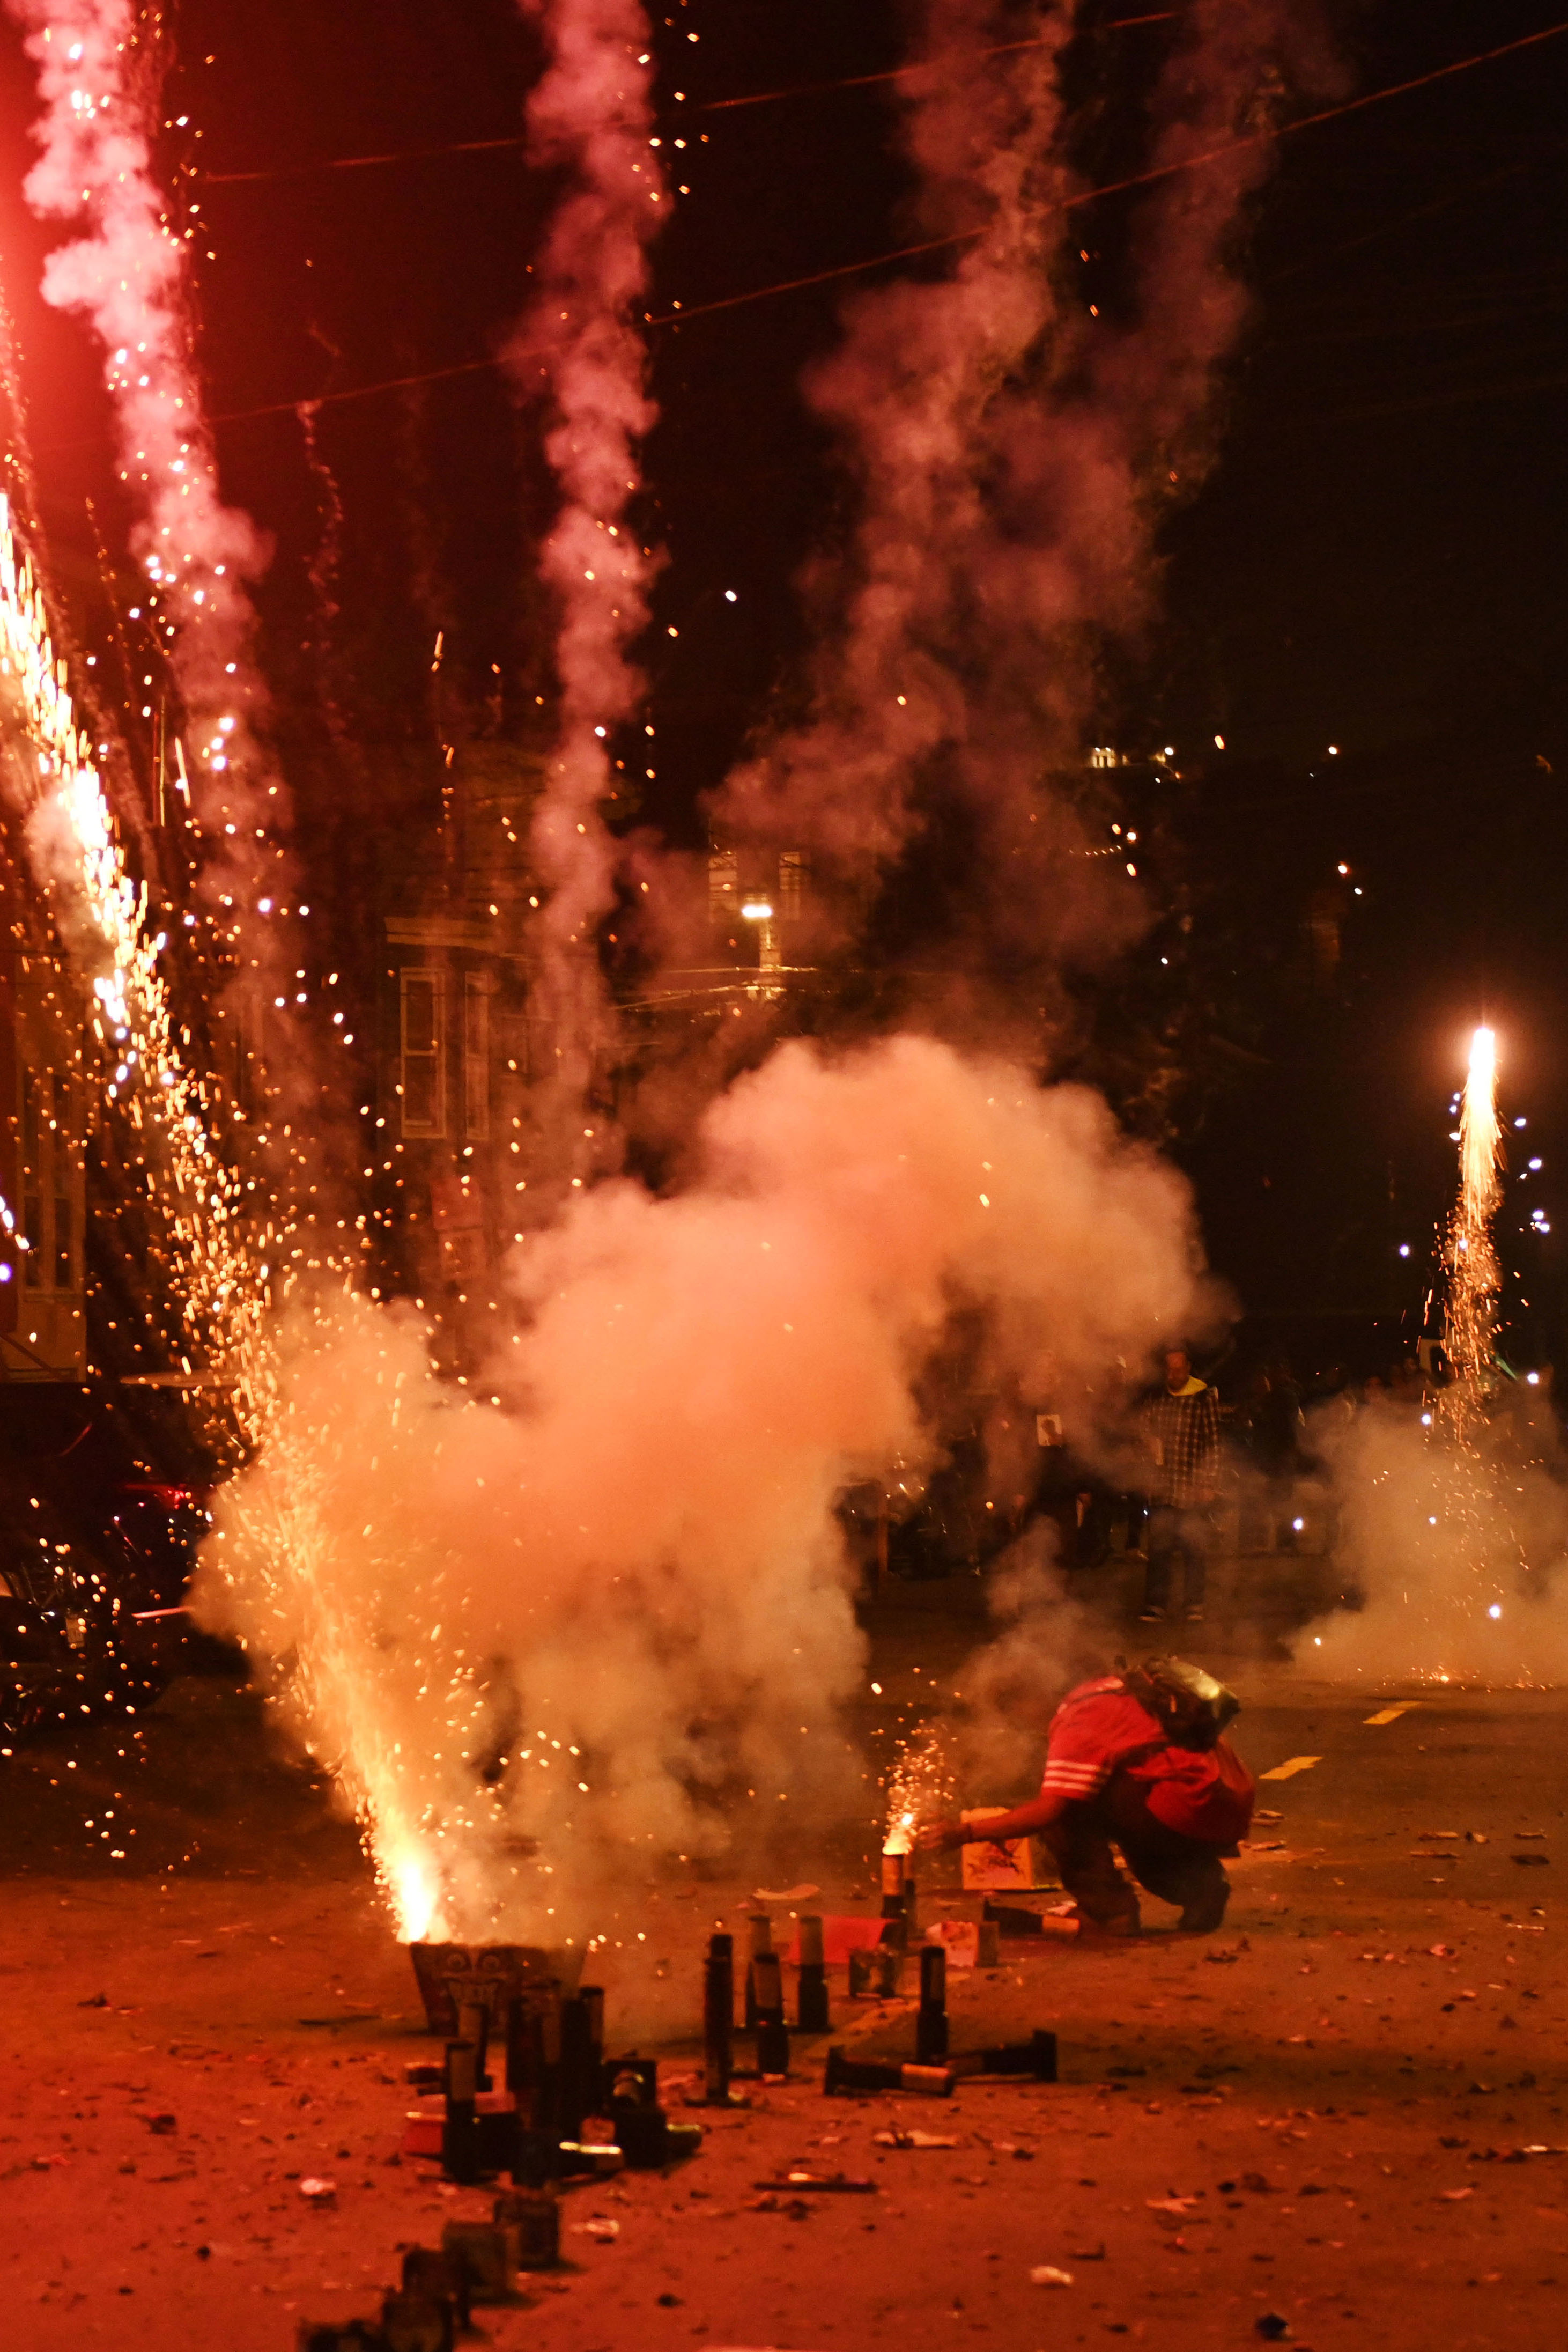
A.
x: 822, y: 2183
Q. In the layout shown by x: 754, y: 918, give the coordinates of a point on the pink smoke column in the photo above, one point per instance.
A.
x: 128, y: 273
x: 1011, y: 454
x: 590, y: 117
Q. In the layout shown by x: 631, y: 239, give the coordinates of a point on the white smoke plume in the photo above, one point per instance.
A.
x: 1453, y: 1533
x: 590, y: 120
x: 128, y: 273
x: 611, y: 1576
x: 1013, y: 455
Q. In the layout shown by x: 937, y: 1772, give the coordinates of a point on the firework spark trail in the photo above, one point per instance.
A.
x: 71, y: 836
x: 1475, y: 1277
x: 591, y: 117
x: 229, y: 1270
x: 98, y: 79
x: 1012, y: 454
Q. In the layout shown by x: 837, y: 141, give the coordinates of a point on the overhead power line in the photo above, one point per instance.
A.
x: 681, y: 315
x: 924, y: 70
x: 708, y: 106
x: 357, y: 162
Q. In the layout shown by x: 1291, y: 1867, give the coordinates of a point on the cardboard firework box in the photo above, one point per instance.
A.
x: 1006, y: 1867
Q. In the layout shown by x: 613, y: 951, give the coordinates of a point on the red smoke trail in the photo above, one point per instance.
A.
x: 591, y: 119
x: 1012, y: 454
x: 127, y: 271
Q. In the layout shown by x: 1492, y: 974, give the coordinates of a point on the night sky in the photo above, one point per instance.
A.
x: 1375, y: 563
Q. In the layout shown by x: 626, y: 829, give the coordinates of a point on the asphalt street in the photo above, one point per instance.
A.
x: 1342, y: 2118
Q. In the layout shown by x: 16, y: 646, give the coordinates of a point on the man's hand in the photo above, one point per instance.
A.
x: 940, y: 1837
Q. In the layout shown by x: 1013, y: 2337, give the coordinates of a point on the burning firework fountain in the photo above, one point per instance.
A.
x: 1450, y: 1521
x: 1473, y: 1274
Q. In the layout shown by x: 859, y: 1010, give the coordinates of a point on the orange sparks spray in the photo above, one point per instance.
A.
x: 1474, y: 1277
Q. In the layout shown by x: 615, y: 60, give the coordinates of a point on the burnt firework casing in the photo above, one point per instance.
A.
x: 759, y: 1926
x: 1037, y: 2056
x: 460, y: 2159
x: 931, y: 2017
x: 773, y: 2034
x: 630, y: 2082
x: 431, y: 2271
x: 535, y: 2215
x: 845, y: 2074
x: 418, y: 2323
x: 473, y: 2025
x: 582, y: 2058
x: 486, y: 2254
x: 812, y: 2014
x: 718, y: 2018
x: 630, y: 2099
x: 533, y: 2059
x: 874, y: 1974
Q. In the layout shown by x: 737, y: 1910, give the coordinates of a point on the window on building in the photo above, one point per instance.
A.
x: 48, y: 1221
x: 723, y: 885
x: 423, y: 1009
x: 791, y: 884
x: 477, y: 1057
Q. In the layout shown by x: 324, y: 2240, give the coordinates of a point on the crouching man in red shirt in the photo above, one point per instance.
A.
x: 1138, y: 1759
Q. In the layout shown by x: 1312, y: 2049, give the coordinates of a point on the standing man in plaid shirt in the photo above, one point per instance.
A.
x: 1181, y: 1432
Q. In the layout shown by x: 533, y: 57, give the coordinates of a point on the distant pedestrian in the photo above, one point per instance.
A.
x: 1181, y: 1432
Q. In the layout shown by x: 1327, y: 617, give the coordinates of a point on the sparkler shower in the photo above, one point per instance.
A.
x: 1451, y: 1519
x: 1474, y: 1280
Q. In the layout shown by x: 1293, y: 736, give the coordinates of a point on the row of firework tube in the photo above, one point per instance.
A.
x: 933, y: 2069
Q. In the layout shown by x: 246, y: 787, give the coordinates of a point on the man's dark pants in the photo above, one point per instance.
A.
x: 1177, y: 1868
x: 1174, y: 1533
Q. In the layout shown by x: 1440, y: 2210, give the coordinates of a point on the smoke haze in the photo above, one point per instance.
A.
x: 1456, y: 1537
x: 632, y: 1549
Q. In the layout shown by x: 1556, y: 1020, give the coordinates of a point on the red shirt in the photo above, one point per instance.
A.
x: 1101, y: 1729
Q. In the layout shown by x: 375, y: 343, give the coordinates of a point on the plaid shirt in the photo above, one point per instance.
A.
x: 1182, y: 1433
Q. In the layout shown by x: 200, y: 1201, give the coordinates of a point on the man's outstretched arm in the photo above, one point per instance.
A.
x: 937, y: 1837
